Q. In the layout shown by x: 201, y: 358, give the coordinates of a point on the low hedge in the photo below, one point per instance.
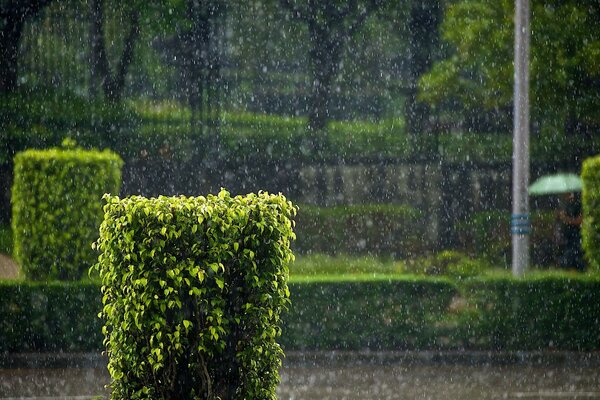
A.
x: 376, y: 229
x: 50, y: 317
x: 354, y: 312
x: 375, y: 313
x: 57, y: 209
x: 541, y: 312
x: 590, y: 228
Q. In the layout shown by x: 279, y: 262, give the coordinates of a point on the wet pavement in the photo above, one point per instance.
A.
x: 350, y: 378
x: 440, y: 382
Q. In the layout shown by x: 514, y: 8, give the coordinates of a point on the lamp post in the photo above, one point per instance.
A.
x: 520, y: 225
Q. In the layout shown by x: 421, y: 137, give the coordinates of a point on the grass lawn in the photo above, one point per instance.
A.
x: 320, y: 264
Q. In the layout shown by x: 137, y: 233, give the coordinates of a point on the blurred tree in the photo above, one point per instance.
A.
x: 13, y: 16
x: 112, y: 83
x: 424, y: 41
x: 418, y: 21
x: 477, y: 79
x: 330, y: 25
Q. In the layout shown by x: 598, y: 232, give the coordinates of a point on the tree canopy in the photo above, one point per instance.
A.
x: 478, y: 75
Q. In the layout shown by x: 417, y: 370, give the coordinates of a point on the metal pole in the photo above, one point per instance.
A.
x: 520, y: 226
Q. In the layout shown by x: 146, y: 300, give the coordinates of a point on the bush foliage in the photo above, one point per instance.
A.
x: 487, y: 234
x: 352, y: 312
x: 590, y: 229
x: 368, y: 313
x: 50, y: 317
x: 374, y: 229
x: 449, y: 263
x: 193, y: 289
x: 143, y: 127
x: 57, y: 209
x: 541, y: 312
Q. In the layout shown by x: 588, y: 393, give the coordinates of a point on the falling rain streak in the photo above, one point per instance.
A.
x: 389, y: 124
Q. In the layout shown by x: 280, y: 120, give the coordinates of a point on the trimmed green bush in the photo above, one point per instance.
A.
x: 376, y: 229
x: 352, y: 312
x: 321, y: 264
x: 50, y: 317
x: 57, y: 209
x: 193, y: 289
x: 544, y: 312
x: 590, y: 228
x: 368, y: 313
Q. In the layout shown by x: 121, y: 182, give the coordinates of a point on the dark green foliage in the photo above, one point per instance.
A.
x: 590, y: 228
x: 475, y: 81
x: 193, y: 289
x: 550, y: 311
x: 360, y: 229
x: 31, y: 120
x: 144, y: 129
x: 50, y: 317
x: 487, y: 234
x: 6, y: 240
x: 387, y: 313
x: 57, y: 209
x: 547, y: 312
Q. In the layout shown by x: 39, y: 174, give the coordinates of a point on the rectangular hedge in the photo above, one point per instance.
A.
x: 57, y: 209
x: 536, y: 313
x: 384, y: 313
x: 50, y: 317
x: 193, y: 289
x: 590, y: 227
x: 544, y: 312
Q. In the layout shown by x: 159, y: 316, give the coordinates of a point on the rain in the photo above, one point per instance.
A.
x: 299, y: 199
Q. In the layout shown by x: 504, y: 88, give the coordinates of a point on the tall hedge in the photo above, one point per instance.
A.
x: 590, y: 229
x: 193, y: 289
x: 57, y: 209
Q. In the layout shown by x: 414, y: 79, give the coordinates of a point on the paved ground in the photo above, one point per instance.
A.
x: 8, y: 268
x: 349, y: 376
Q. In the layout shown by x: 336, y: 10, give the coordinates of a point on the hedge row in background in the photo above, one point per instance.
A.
x: 57, y: 209
x: 387, y: 229
x: 50, y: 317
x: 376, y: 313
x: 590, y: 229
x: 487, y: 234
x: 353, y: 313
x: 141, y: 128
x: 544, y: 312
x: 193, y: 289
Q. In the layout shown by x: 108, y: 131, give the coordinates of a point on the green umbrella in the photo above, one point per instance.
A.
x: 557, y: 183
